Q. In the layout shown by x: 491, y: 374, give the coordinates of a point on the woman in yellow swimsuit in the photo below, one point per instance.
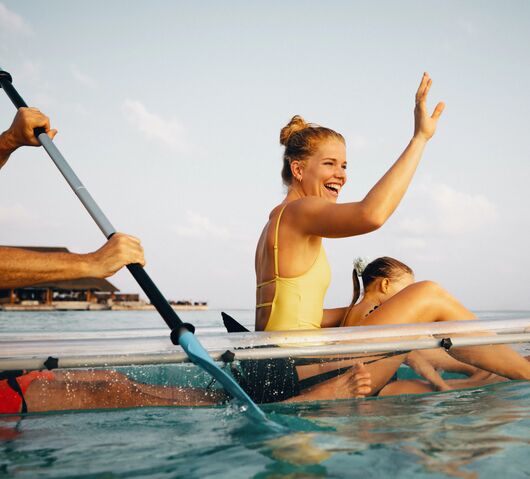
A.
x: 291, y: 266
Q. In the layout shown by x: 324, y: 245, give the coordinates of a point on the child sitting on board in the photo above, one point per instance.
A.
x: 381, y: 279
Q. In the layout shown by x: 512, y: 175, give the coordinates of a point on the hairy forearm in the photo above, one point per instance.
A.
x: 6, y: 147
x: 20, y: 267
x: 385, y: 196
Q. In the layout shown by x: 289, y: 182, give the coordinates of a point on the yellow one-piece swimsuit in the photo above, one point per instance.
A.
x: 298, y: 302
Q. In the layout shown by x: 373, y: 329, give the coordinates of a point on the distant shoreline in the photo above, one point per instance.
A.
x: 86, y: 306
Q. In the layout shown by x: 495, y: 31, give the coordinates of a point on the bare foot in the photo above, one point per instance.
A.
x: 356, y: 382
x: 360, y: 381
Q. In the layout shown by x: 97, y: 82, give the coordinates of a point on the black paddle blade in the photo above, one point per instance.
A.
x: 231, y: 325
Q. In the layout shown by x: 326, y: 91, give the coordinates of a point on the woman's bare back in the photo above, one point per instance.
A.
x: 296, y: 254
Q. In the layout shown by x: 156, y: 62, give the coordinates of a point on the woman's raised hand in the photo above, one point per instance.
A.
x: 425, y: 124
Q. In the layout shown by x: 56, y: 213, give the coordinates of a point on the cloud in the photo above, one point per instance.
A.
x: 13, y: 22
x: 415, y: 226
x: 83, y: 78
x: 462, y: 212
x: 444, y: 210
x: 198, y: 226
x: 170, y: 133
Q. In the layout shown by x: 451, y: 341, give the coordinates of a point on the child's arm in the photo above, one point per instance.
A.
x: 417, y: 361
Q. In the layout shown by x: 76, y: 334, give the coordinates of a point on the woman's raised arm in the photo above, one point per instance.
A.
x: 315, y: 216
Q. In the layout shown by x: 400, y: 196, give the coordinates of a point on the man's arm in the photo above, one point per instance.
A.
x: 20, y: 267
x: 20, y: 133
x: 5, y: 151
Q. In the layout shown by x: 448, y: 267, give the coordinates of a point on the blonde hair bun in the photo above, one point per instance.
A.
x: 296, y: 124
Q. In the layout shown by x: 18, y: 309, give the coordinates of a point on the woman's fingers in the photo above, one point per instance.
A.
x: 438, y: 110
x: 424, y: 123
x: 421, y: 89
x: 427, y: 88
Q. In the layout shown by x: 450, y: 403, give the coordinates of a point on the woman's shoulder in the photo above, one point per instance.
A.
x: 279, y: 210
x: 276, y: 210
x: 296, y: 205
x: 289, y: 215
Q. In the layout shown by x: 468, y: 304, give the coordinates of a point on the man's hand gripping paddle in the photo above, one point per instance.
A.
x: 181, y: 333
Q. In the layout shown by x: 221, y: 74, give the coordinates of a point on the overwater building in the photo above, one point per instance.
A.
x: 78, y: 294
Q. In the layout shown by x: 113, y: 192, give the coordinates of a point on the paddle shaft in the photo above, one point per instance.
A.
x: 148, y: 286
x: 181, y: 333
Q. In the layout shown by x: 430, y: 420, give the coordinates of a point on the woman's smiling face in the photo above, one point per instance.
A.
x: 323, y: 174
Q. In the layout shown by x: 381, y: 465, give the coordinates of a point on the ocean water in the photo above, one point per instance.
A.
x: 472, y: 433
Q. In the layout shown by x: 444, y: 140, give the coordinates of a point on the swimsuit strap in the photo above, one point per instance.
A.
x: 276, y: 235
x: 276, y: 268
x: 266, y: 282
x: 263, y: 305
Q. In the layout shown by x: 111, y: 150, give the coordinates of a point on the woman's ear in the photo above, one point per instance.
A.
x: 384, y: 285
x: 296, y: 170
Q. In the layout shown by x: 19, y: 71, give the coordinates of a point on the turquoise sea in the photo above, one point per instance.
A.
x: 465, y: 434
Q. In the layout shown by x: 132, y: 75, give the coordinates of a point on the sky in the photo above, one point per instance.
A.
x: 170, y: 113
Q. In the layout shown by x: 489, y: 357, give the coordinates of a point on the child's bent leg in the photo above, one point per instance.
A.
x: 426, y: 302
x: 409, y: 386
